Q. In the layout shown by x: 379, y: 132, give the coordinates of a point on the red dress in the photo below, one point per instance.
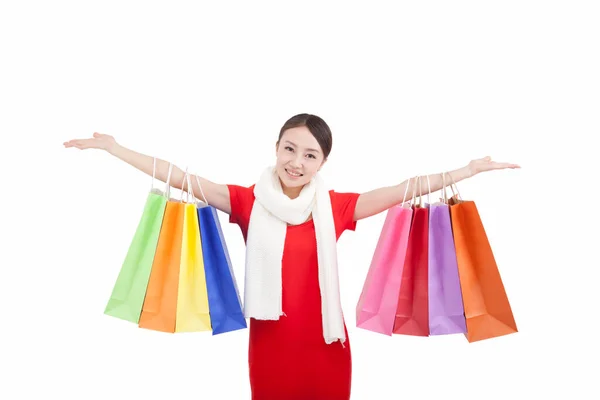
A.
x: 288, y: 359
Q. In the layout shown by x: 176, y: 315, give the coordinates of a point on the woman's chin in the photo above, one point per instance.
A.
x: 291, y: 182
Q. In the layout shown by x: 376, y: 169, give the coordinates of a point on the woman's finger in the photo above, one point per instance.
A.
x: 71, y: 143
x: 504, y: 165
x: 74, y: 141
x: 83, y: 143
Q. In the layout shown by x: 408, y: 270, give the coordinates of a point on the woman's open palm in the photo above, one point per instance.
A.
x: 97, y: 141
x: 486, y: 164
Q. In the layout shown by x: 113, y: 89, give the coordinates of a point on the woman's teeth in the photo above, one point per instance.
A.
x: 295, y: 175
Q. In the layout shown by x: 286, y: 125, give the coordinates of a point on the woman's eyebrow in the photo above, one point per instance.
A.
x: 293, y: 144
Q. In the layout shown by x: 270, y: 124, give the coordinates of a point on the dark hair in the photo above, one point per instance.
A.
x: 319, y: 129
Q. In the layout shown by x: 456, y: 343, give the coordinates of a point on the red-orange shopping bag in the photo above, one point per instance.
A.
x: 487, y: 309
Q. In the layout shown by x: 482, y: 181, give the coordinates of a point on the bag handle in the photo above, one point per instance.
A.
x: 189, y: 193
x: 190, y: 188
x: 420, y: 204
x: 413, y: 201
x: 167, y: 190
x: 405, y: 193
x: 153, y: 174
x: 452, y: 187
x: 445, y: 195
x: 168, y: 183
x: 429, y: 190
x: 420, y: 190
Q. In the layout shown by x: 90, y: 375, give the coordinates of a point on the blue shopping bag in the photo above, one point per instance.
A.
x: 224, y: 301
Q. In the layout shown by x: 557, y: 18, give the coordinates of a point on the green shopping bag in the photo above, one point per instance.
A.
x: 129, y: 291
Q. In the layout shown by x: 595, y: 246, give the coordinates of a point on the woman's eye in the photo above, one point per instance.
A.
x: 288, y: 148
x: 311, y: 156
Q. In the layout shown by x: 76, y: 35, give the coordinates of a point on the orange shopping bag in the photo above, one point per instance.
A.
x: 487, y: 309
x: 160, y: 305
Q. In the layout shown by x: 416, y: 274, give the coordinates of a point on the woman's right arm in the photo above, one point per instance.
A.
x: 217, y: 195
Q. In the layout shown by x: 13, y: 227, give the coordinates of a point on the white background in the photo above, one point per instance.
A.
x: 407, y: 88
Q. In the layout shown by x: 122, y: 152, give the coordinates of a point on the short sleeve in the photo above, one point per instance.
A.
x: 242, y: 200
x: 343, y: 206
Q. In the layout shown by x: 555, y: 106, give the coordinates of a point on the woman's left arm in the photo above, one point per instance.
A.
x: 378, y: 200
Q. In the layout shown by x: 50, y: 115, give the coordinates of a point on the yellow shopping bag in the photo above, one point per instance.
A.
x: 192, y: 297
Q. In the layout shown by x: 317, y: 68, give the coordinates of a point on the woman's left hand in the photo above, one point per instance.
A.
x: 486, y: 164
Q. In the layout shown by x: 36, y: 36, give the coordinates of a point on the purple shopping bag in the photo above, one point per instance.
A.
x: 446, y: 311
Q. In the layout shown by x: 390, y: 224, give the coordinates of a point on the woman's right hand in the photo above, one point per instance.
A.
x: 98, y: 141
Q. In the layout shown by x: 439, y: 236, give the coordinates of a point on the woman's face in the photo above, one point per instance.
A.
x: 299, y: 157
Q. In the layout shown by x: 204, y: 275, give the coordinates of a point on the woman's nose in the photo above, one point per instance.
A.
x: 297, y: 162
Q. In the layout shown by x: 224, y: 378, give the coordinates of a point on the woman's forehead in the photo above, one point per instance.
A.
x: 300, y: 137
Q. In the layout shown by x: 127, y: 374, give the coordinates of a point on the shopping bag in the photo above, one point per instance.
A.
x: 446, y: 312
x: 129, y: 290
x: 412, y: 314
x: 487, y: 309
x: 192, y: 299
x: 376, y: 307
x: 159, y: 311
x: 226, y: 312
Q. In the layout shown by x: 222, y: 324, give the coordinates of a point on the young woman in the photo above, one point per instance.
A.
x: 290, y: 222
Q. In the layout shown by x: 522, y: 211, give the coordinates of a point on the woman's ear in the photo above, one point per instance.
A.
x: 322, y: 164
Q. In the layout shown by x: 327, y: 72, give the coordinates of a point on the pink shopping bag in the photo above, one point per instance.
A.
x: 376, y: 308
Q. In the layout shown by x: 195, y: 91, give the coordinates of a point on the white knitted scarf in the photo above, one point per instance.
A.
x: 271, y: 212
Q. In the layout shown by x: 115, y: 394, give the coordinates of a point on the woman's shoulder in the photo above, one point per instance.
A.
x: 343, y: 204
x: 342, y: 196
x: 241, y: 199
x: 241, y: 189
x: 342, y: 200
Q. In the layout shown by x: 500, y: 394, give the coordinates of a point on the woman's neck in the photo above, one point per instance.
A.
x: 291, y: 192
